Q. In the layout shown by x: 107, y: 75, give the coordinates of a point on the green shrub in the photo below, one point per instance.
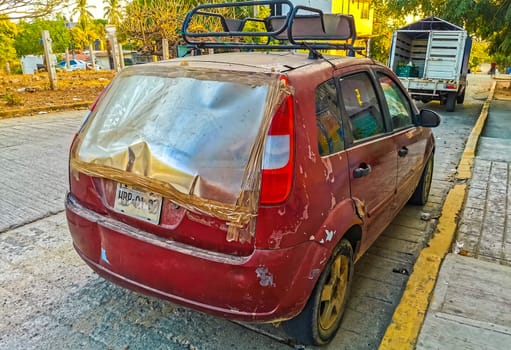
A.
x: 11, y: 99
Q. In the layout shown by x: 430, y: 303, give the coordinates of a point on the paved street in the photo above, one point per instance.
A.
x: 33, y: 163
x: 50, y: 299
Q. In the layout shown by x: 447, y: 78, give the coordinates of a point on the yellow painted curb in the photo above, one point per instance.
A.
x: 409, y: 315
x: 467, y: 159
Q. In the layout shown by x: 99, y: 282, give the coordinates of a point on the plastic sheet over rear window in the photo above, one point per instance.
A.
x: 179, y: 129
x: 193, y: 135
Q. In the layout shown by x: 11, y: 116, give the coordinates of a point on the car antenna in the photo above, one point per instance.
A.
x: 315, y: 54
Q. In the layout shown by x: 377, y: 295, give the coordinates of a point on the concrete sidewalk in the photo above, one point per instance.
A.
x: 470, y: 306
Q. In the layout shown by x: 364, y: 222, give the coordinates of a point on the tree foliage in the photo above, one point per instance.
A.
x: 23, y: 9
x: 479, y: 54
x: 87, y: 29
x: 384, y: 25
x: 113, y: 11
x: 8, y: 32
x: 85, y: 17
x: 147, y: 22
x: 489, y: 20
x: 83, y: 34
x: 28, y: 40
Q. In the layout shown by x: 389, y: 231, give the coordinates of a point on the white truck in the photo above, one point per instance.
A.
x: 431, y: 59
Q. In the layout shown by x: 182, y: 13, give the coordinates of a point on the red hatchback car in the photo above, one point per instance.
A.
x: 247, y: 184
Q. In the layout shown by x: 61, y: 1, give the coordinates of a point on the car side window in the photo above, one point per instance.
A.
x: 399, y: 106
x: 361, y: 106
x: 329, y: 128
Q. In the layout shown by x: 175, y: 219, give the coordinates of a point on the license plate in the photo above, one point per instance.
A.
x: 138, y: 203
x: 424, y: 86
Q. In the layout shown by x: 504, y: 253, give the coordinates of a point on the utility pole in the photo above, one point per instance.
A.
x: 92, y: 57
x: 48, y: 57
x: 121, y: 57
x: 114, y: 46
x: 165, y: 49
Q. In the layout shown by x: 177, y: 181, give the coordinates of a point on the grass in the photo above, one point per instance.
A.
x: 12, y: 99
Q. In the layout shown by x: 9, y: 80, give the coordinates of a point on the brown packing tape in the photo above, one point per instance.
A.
x: 137, y: 166
x: 231, y: 213
x: 252, y: 174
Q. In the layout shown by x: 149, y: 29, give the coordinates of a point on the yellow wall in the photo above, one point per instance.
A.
x: 361, y: 10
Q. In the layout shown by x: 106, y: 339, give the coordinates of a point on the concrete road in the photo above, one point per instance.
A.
x: 50, y: 299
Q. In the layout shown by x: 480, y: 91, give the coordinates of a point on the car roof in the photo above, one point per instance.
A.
x: 264, y: 62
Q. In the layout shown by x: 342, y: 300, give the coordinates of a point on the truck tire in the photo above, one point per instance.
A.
x: 450, y: 103
x: 461, y: 97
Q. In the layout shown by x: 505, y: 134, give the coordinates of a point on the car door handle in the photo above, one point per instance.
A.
x: 363, y: 170
x: 403, y: 152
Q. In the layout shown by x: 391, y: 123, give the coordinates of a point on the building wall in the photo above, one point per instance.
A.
x: 323, y: 5
x: 360, y: 9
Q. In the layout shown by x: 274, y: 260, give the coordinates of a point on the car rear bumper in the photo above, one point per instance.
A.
x: 268, y: 285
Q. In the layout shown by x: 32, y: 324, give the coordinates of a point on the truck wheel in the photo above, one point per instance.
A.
x: 421, y: 194
x: 461, y: 98
x: 318, y: 322
x: 450, y: 104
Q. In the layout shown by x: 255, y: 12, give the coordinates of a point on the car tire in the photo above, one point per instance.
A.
x: 461, y: 97
x: 421, y: 194
x: 450, y: 103
x: 321, y: 317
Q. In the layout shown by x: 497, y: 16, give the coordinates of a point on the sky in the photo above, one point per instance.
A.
x: 98, y: 12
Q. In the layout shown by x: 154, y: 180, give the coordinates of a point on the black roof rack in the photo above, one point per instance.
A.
x: 301, y: 27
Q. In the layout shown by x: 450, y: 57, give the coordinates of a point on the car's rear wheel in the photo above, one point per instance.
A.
x: 317, y: 324
x: 421, y: 194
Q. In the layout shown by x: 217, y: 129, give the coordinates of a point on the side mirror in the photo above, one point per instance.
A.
x: 428, y: 118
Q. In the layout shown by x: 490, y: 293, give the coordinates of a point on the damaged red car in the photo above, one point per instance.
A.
x: 247, y: 184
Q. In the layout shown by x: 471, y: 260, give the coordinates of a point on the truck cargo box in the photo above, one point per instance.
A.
x: 431, y: 58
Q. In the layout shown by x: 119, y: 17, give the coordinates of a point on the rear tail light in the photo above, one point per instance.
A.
x: 278, y: 160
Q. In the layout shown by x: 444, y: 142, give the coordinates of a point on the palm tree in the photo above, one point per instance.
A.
x: 84, y: 15
x: 113, y: 11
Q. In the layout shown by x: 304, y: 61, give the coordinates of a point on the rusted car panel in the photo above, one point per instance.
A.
x: 247, y: 184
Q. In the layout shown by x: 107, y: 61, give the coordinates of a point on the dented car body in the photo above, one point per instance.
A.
x: 246, y: 185
x: 217, y: 245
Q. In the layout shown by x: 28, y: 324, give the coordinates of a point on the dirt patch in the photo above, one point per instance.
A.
x: 30, y: 94
x: 479, y: 86
x: 503, y: 90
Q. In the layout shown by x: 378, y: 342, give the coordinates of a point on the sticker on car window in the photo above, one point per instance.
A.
x: 359, y: 97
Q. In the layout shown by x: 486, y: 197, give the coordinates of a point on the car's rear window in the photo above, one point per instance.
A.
x: 193, y: 132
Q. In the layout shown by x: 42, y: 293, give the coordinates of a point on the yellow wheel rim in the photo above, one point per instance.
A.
x: 333, y: 293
